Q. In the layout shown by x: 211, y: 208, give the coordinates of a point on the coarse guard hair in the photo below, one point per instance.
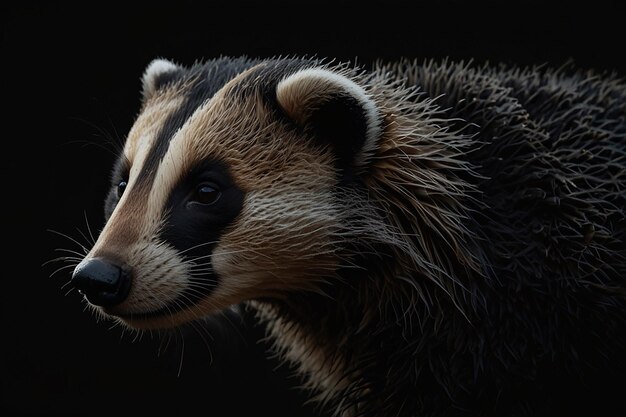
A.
x: 418, y: 239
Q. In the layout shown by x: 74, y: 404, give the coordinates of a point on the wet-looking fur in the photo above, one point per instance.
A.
x: 419, y: 239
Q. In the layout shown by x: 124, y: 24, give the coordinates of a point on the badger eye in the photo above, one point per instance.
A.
x: 120, y: 188
x: 206, y: 194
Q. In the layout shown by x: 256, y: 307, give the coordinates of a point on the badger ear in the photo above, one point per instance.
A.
x: 337, y: 110
x: 158, y: 73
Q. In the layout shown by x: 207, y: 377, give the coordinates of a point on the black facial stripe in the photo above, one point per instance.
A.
x: 188, y: 226
x: 165, y: 78
x: 194, y: 229
x: 119, y: 173
x: 162, y: 141
x: 204, y: 81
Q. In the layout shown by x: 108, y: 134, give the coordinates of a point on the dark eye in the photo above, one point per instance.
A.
x: 206, y: 194
x: 120, y: 188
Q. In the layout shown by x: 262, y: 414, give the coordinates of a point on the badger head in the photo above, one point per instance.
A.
x: 239, y: 180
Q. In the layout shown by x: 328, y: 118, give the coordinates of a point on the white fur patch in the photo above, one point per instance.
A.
x: 156, y: 68
x: 302, y: 87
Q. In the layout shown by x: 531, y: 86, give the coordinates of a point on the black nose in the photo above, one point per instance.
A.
x: 102, y: 282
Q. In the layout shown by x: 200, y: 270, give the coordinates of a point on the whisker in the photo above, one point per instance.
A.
x: 70, y: 238
x: 66, y: 284
x: 233, y: 252
x: 201, y: 269
x: 182, y: 352
x: 197, y: 246
x: 93, y: 240
x: 84, y: 236
x: 114, y: 141
x: 237, y: 329
x: 200, y: 276
x: 193, y: 265
x: 201, y: 332
x: 162, y: 348
x: 63, y: 258
x: 62, y: 268
x: 70, y: 251
x: 195, y: 289
x: 138, y: 336
x: 114, y: 325
x: 68, y: 291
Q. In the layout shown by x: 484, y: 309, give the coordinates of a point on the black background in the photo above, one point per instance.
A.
x: 70, y: 85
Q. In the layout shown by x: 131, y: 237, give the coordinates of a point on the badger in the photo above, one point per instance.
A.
x: 418, y: 238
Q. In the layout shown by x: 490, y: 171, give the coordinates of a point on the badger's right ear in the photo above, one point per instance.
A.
x: 336, y: 110
x: 158, y: 73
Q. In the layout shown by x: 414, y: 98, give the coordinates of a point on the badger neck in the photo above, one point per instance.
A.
x: 354, y: 336
x: 327, y: 335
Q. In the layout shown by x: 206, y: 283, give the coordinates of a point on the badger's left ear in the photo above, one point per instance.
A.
x: 337, y: 110
x: 158, y: 73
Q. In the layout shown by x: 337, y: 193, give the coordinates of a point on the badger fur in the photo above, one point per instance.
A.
x: 419, y: 239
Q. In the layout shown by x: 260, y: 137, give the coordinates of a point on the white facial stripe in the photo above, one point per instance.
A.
x: 141, y: 137
x: 138, y: 144
x: 174, y: 165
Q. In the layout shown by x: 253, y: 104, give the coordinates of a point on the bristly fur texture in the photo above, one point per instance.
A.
x: 507, y: 188
x: 419, y: 239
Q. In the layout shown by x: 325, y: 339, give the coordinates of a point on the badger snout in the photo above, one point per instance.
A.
x: 101, y: 281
